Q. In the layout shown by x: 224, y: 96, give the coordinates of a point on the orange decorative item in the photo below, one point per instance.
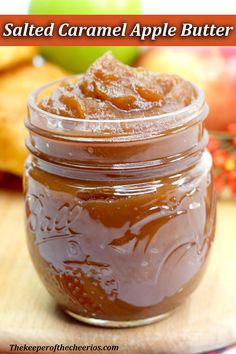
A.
x: 223, y: 149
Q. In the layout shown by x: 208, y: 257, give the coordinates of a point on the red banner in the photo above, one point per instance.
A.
x: 118, y: 30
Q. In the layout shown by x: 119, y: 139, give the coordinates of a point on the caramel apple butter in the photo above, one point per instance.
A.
x: 120, y: 207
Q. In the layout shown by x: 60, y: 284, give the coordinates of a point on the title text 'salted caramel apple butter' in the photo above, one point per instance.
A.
x: 120, y: 208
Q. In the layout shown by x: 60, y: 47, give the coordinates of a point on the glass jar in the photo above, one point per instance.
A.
x: 120, y: 214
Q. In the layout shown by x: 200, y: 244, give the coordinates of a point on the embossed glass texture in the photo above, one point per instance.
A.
x: 119, y: 226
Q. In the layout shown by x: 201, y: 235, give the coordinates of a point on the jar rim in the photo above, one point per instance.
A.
x: 68, y: 126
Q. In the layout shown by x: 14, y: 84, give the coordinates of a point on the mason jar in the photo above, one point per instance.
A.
x: 120, y: 214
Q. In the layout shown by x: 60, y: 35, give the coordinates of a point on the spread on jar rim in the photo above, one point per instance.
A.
x: 120, y: 206
x: 111, y: 90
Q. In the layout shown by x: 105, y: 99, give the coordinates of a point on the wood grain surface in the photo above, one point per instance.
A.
x: 28, y: 314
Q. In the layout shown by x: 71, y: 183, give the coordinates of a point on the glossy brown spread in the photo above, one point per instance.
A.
x: 110, y: 89
x: 109, y: 240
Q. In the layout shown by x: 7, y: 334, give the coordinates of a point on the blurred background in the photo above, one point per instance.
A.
x: 22, y: 69
x: 213, y: 68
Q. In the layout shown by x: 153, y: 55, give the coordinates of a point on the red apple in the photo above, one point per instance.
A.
x: 212, y: 68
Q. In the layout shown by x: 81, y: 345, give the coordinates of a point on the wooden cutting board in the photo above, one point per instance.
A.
x: 29, y: 316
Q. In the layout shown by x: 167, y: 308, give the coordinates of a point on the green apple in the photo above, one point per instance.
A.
x: 77, y: 59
